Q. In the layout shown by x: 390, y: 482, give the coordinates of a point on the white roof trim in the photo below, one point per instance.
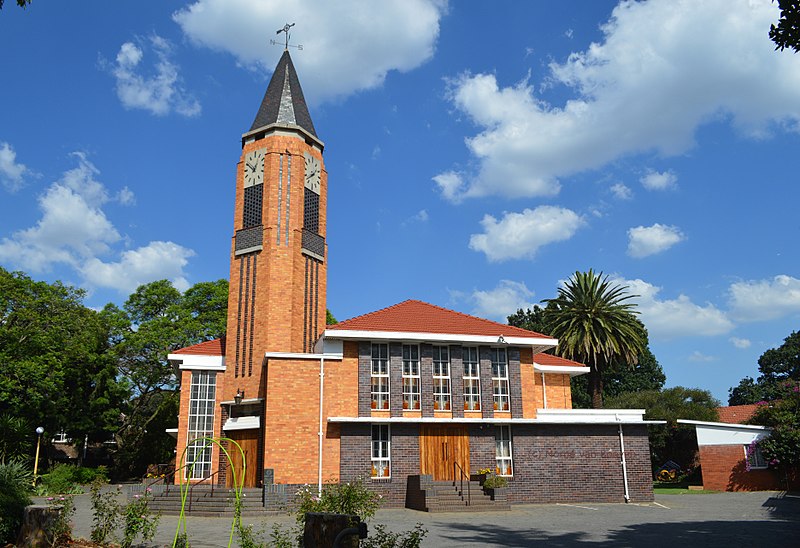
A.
x: 439, y: 337
x: 245, y: 401
x: 725, y: 425
x: 242, y: 423
x: 172, y: 432
x: 302, y: 356
x: 572, y: 370
x: 458, y: 420
x: 199, y: 361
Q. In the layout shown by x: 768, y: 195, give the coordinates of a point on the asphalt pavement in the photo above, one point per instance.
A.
x: 710, y: 520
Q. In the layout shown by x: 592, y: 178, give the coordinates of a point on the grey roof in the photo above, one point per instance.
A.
x: 283, y: 103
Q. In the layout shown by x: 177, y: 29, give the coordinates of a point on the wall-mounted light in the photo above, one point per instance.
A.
x: 501, y: 340
x: 237, y: 399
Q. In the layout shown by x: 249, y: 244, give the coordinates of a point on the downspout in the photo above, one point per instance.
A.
x: 544, y: 391
x: 624, y: 464
x: 320, y: 433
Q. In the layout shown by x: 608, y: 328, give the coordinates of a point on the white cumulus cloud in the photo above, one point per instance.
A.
x: 759, y: 300
x: 698, y: 356
x: 740, y: 343
x: 520, y: 235
x: 392, y: 35
x: 505, y: 299
x: 662, y: 69
x: 12, y: 173
x: 159, y: 92
x: 679, y: 317
x: 621, y: 191
x: 649, y: 240
x: 654, y: 180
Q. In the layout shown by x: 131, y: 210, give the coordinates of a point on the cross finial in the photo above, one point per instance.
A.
x: 286, y: 44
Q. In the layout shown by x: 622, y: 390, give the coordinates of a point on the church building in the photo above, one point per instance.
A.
x: 407, y: 398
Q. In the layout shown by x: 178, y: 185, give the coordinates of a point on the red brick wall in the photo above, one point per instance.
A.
x: 724, y: 470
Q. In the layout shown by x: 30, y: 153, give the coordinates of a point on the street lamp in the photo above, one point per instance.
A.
x: 39, y: 432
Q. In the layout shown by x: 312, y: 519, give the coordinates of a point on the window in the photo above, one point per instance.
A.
x: 61, y: 437
x: 202, y: 397
x: 472, y: 380
x: 754, y: 456
x: 381, y: 444
x: 311, y: 211
x: 502, y: 448
x: 380, y: 376
x: 410, y: 376
x: 441, y: 378
x: 499, y: 378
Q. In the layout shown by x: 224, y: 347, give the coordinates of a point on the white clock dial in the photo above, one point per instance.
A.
x: 313, y: 173
x: 254, y: 167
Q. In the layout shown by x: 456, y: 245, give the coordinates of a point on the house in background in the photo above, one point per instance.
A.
x: 729, y: 459
x: 404, y: 397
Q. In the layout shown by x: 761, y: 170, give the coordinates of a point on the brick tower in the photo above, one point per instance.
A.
x: 278, y: 254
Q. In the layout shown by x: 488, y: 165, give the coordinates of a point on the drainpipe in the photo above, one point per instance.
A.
x: 320, y: 433
x: 624, y: 464
x: 544, y: 391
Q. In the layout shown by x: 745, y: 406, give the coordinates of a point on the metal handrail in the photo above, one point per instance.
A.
x: 192, y: 486
x: 462, y: 476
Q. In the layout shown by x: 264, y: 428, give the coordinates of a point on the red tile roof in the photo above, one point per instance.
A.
x: 549, y: 359
x: 207, y: 348
x: 736, y: 414
x: 419, y: 317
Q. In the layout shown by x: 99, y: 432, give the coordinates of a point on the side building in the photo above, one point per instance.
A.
x: 409, y: 394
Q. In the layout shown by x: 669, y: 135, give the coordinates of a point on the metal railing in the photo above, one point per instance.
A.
x: 191, y: 488
x: 461, y: 478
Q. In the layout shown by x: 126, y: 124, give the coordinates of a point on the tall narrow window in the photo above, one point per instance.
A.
x: 499, y: 378
x: 380, y: 376
x: 381, y: 451
x: 472, y: 379
x: 502, y: 447
x: 202, y: 397
x: 441, y: 378
x: 410, y: 376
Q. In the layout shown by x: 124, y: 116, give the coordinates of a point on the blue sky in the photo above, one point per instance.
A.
x: 478, y: 154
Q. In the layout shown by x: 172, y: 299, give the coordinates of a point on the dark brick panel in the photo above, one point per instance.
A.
x: 514, y: 382
x: 364, y: 378
x: 487, y: 394
x: 456, y: 381
x: 426, y: 379
x: 396, y: 379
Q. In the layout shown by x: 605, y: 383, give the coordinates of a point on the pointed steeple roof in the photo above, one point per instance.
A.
x: 283, y: 103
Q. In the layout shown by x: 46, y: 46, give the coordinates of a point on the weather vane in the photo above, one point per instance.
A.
x: 286, y: 44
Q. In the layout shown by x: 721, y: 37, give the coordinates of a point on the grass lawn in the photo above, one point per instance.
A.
x: 673, y: 489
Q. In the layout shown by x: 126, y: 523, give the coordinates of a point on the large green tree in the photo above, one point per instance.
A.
x: 55, y: 370
x: 786, y: 34
x: 782, y: 448
x: 155, y: 321
x: 673, y: 441
x: 595, y: 324
x: 777, y: 366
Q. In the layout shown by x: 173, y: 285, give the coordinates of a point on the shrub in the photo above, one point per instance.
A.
x: 106, y: 513
x: 352, y: 497
x: 139, y: 520
x: 67, y: 478
x: 382, y: 538
x: 61, y: 532
x: 15, y: 486
x: 493, y: 481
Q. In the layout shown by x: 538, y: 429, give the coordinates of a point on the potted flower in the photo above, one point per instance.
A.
x: 495, y: 406
x: 496, y: 486
x: 405, y: 404
x: 505, y: 406
x: 447, y: 406
x: 466, y: 406
x: 416, y: 405
x: 386, y: 404
x: 436, y: 404
x: 374, y: 404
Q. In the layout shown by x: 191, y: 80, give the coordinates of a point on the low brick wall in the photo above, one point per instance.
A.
x: 724, y: 469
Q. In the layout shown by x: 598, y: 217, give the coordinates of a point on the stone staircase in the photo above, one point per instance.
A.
x: 446, y: 496
x: 202, y: 501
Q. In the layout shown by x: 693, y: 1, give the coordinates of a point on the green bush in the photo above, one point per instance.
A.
x: 15, y: 488
x: 66, y: 478
x: 493, y: 481
x: 381, y: 538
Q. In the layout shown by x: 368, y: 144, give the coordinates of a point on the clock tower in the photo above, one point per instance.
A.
x: 278, y: 253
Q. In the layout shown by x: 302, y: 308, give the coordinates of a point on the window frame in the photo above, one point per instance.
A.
x: 200, y: 424
x: 500, y: 384
x: 472, y: 378
x: 381, y: 451
x: 503, y: 463
x: 411, y: 378
x: 442, y: 391
x: 379, y: 377
x: 754, y: 460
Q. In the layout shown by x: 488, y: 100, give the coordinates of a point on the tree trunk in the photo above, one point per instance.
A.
x: 596, y: 387
x: 38, y: 524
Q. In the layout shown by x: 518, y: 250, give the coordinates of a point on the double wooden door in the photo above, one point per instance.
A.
x: 248, y: 440
x: 439, y: 447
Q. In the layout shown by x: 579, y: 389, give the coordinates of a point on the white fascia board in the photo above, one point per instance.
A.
x: 437, y: 420
x: 244, y: 401
x: 199, y: 361
x: 172, y: 432
x: 302, y: 356
x: 587, y: 416
x: 242, y: 423
x: 571, y: 370
x: 725, y: 425
x: 545, y: 342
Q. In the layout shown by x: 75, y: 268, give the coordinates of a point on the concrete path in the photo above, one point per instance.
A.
x: 720, y: 520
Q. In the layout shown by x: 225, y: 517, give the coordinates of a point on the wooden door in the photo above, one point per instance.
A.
x: 439, y: 447
x: 248, y: 439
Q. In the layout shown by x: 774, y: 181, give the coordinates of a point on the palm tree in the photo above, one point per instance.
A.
x: 595, y: 325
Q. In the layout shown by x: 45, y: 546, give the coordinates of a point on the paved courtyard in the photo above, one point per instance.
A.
x: 718, y: 520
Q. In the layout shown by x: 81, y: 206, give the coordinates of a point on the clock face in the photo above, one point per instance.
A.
x: 313, y: 173
x: 254, y: 167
